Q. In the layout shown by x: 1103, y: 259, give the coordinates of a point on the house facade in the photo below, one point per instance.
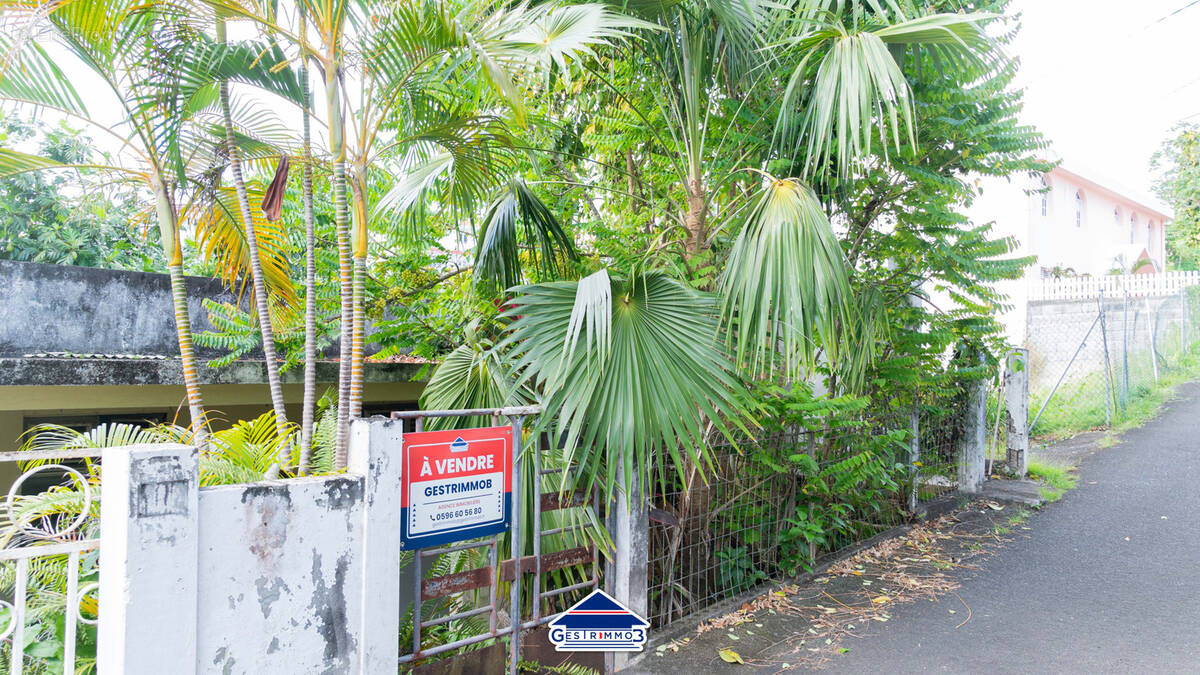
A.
x: 1073, y: 225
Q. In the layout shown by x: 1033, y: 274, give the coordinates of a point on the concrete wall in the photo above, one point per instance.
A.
x: 1056, y: 328
x: 61, y: 308
x: 293, y: 576
x: 279, y: 578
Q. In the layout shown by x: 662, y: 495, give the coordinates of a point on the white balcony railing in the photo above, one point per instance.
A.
x: 1137, y: 285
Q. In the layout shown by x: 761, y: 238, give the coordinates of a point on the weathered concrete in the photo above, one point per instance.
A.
x: 1055, y: 329
x: 280, y: 577
x: 972, y: 448
x: 1016, y: 409
x: 64, y: 308
x: 628, y: 571
x: 1025, y: 492
x: 80, y: 371
x: 375, y: 454
x: 148, y: 547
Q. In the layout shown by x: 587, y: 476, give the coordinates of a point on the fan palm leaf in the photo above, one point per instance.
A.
x: 632, y: 368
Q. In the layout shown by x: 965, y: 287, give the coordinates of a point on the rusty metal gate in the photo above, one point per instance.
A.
x: 454, y: 595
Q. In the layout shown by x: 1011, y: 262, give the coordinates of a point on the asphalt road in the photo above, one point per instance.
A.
x: 1106, y: 580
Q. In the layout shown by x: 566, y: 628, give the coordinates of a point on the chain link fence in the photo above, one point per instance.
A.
x: 1100, y: 362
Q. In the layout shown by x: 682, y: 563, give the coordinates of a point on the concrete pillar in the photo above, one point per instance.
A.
x: 148, y: 560
x: 972, y: 452
x: 375, y: 454
x: 1016, y: 409
x: 627, y: 574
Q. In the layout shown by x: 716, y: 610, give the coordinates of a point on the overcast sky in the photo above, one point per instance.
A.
x: 1107, y: 80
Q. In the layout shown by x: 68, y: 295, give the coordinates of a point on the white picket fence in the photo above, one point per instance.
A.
x: 1137, y: 285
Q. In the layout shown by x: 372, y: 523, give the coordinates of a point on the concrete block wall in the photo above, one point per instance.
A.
x: 1055, y: 329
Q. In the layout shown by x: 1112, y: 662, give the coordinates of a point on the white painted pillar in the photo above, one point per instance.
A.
x: 972, y: 453
x: 375, y: 454
x: 148, y: 560
x: 1016, y: 407
x: 628, y: 572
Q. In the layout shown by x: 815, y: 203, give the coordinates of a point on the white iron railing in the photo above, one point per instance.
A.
x: 46, y: 550
x: 1116, y: 285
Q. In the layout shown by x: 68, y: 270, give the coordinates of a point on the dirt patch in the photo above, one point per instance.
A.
x: 792, y: 626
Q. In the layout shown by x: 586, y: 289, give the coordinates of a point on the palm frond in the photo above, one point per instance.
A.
x: 498, y: 252
x: 659, y: 389
x: 785, y: 283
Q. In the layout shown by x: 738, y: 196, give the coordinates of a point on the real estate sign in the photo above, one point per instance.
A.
x: 456, y: 485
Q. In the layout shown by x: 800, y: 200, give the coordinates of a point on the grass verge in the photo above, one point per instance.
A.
x: 1058, y: 479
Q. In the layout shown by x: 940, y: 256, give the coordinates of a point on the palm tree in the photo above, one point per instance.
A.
x: 254, y: 258
x: 429, y: 80
x: 310, y: 263
x: 114, y: 41
x: 782, y: 296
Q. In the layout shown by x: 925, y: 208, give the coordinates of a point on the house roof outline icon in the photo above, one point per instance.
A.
x: 599, y: 611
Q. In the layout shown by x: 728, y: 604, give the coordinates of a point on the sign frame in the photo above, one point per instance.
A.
x: 437, y: 463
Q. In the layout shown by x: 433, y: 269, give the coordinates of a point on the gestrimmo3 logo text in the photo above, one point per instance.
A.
x: 598, y: 624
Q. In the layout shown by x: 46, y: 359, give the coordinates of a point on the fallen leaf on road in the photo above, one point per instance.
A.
x: 880, y: 599
x: 729, y: 656
x: 994, y: 506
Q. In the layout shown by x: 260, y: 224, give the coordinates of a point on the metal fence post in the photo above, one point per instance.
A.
x: 1125, y: 350
x: 1183, y: 345
x: 518, y: 550
x: 149, y: 560
x: 1016, y: 406
x: 1150, y: 320
x: 972, y: 453
x: 914, y: 456
x: 628, y: 572
x: 1108, y: 384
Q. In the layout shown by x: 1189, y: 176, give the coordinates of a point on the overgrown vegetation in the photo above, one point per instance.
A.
x: 676, y: 226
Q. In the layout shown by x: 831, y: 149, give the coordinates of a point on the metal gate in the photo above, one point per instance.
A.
x: 454, y: 595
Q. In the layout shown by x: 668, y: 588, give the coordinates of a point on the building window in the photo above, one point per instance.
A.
x: 1150, y: 237
x: 1117, y: 217
x: 1078, y: 209
x: 1045, y: 197
x: 1132, y: 228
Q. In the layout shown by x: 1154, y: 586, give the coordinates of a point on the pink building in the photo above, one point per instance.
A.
x: 1074, y: 225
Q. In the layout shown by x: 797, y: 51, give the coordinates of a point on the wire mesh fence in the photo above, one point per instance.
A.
x: 768, y: 509
x: 939, y: 435
x: 1100, y: 362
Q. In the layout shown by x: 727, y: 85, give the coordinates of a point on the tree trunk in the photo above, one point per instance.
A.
x: 696, y: 221
x: 310, y: 279
x: 261, y: 303
x: 359, y: 253
x: 337, y: 145
x: 169, y: 231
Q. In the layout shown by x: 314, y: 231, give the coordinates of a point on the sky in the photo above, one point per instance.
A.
x: 1106, y: 81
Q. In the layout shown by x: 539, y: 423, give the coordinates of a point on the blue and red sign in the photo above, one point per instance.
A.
x: 456, y: 485
x: 598, y: 623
